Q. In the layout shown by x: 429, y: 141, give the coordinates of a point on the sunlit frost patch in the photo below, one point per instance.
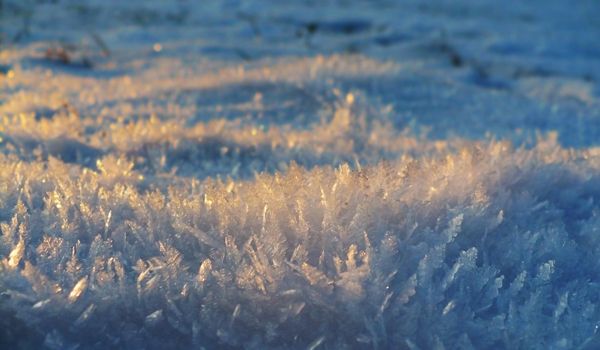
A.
x: 488, y: 247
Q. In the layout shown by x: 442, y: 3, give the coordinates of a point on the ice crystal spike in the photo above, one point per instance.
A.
x: 78, y: 289
x: 154, y: 318
x: 16, y: 254
x: 316, y: 343
x: 204, y: 271
x: 85, y: 315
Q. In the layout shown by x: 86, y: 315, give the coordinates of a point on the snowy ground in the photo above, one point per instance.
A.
x: 315, y: 174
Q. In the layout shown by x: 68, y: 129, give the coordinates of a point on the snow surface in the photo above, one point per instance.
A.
x: 299, y: 175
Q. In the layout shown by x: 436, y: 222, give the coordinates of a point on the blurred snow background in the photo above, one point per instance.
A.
x: 308, y: 174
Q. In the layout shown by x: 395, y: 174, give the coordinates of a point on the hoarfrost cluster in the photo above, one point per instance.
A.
x: 373, y: 184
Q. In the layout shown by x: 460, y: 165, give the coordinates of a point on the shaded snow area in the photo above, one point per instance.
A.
x: 299, y: 175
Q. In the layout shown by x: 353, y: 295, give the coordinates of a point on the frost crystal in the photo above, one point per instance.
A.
x: 264, y: 174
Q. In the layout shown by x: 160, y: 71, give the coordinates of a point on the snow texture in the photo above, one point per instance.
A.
x: 302, y: 175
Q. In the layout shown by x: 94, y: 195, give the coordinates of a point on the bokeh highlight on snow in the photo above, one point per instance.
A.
x: 299, y: 175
